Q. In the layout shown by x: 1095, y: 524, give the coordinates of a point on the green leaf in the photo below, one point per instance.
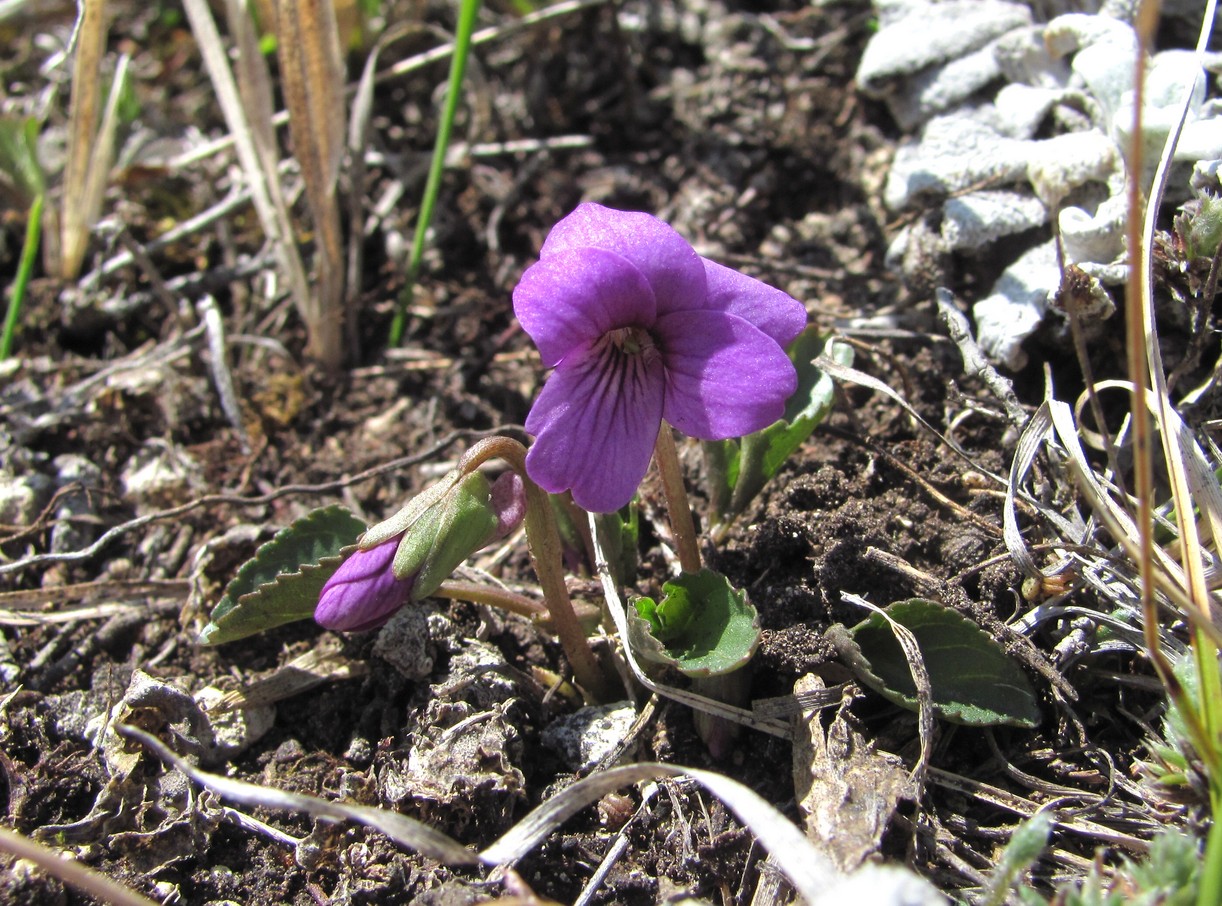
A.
x: 282, y: 581
x: 764, y: 452
x: 703, y: 626
x: 721, y: 461
x: 973, y: 680
x: 621, y: 534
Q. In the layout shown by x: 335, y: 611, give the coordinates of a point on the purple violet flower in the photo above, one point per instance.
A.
x: 363, y: 593
x: 641, y: 329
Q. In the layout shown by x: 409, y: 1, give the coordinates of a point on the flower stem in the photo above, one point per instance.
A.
x: 666, y: 455
x: 510, y: 601
x: 494, y: 597
x: 543, y: 539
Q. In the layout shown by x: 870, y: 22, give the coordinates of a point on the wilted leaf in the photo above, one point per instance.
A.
x: 703, y: 626
x: 974, y: 681
x: 846, y: 789
x: 282, y: 581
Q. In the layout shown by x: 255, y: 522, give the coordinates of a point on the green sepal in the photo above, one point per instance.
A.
x: 703, y: 626
x: 972, y: 679
x: 721, y: 460
x: 572, y: 544
x: 445, y: 534
x: 763, y: 453
x: 282, y: 581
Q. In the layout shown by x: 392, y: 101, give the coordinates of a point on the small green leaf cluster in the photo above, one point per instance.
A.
x: 1201, y: 231
x: 702, y: 626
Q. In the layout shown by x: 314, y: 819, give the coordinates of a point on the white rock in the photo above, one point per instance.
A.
x: 236, y: 730
x: 22, y: 497
x: 588, y: 735
x: 159, y: 474
x: 406, y: 641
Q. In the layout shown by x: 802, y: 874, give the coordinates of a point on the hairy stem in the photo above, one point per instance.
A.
x: 543, y: 540
x: 666, y: 455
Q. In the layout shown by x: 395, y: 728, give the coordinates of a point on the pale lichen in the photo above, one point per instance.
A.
x: 1019, y: 123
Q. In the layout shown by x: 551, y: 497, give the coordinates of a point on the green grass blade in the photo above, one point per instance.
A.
x: 458, y: 66
x: 1210, y: 891
x: 29, y: 252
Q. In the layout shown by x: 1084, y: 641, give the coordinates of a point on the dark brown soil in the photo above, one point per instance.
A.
x: 736, y: 122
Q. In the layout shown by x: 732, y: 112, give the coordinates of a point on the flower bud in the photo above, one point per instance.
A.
x: 363, y: 592
x: 409, y: 555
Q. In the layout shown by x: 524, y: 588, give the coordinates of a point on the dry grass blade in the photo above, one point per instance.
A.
x: 400, y: 828
x: 1164, y: 573
x: 254, y: 84
x: 1183, y: 461
x: 313, y: 83
x: 920, y: 679
x: 70, y: 871
x: 83, y: 113
x: 323, y: 664
x: 813, y: 875
x: 811, y: 872
x: 358, y: 140
x: 269, y: 206
x: 1072, y: 528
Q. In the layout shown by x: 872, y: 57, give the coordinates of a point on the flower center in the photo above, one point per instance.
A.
x: 634, y: 342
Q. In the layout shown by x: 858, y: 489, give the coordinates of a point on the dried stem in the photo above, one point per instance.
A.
x: 682, y: 527
x: 544, y: 542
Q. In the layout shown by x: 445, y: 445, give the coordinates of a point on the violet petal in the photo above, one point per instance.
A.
x: 777, y: 314
x: 667, y: 260
x: 576, y: 295
x: 724, y: 377
x: 596, y: 421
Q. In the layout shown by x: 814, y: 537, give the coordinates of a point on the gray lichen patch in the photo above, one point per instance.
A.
x: 1019, y: 123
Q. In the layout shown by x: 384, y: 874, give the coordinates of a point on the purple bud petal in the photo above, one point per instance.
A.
x: 508, y: 498
x: 363, y: 593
